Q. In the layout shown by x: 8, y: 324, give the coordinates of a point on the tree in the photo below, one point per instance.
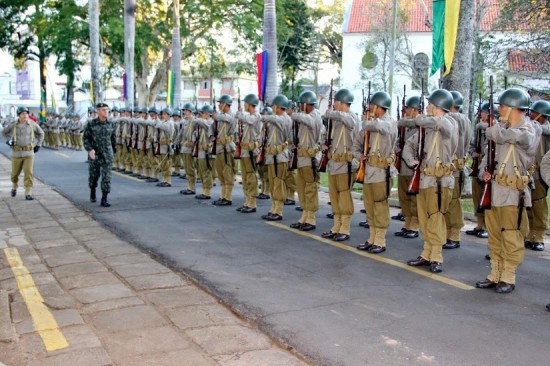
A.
x: 270, y: 45
x: 460, y: 75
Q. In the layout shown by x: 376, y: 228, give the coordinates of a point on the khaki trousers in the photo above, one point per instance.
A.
x: 290, y: 182
x: 190, y: 173
x: 165, y: 166
x: 455, y: 216
x: 262, y: 171
x: 250, y: 182
x: 225, y: 172
x: 407, y: 203
x: 538, y: 214
x: 205, y: 175
x: 477, y: 190
x: 307, y: 186
x: 342, y: 203
x: 177, y: 162
x: 505, y: 242
x: 376, y: 203
x: 278, y: 187
x: 27, y: 165
x: 432, y: 221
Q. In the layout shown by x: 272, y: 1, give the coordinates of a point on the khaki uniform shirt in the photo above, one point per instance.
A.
x: 164, y: 130
x: 251, y: 130
x: 277, y: 138
x: 542, y: 147
x: 26, y: 135
x: 523, y: 138
x: 186, y: 136
x: 441, y: 139
x: 309, y: 133
x: 383, y: 134
x: 205, y: 131
x: 410, y: 129
x: 464, y: 127
x: 227, y: 125
x: 345, y: 125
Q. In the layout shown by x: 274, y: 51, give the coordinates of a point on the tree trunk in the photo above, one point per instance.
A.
x: 129, y: 36
x: 93, y: 23
x: 270, y: 45
x: 176, y: 55
x: 70, y: 91
x: 461, y: 73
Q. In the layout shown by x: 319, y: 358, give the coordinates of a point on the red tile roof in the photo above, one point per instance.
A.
x: 531, y: 62
x: 366, y: 15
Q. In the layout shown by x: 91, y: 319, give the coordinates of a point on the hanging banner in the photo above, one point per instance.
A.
x: 261, y: 62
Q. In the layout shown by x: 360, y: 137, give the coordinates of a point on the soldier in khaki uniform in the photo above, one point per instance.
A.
x: 341, y: 166
x: 455, y: 215
x: 250, y: 125
x: 224, y: 128
x: 203, y: 124
x: 309, y: 123
x: 436, y: 179
x: 407, y: 202
x: 545, y: 176
x: 262, y: 169
x: 25, y: 139
x: 276, y: 157
x: 477, y: 185
x: 153, y: 152
x: 382, y: 132
x: 538, y: 214
x: 186, y: 142
x: 163, y: 145
x: 177, y: 160
x: 515, y: 140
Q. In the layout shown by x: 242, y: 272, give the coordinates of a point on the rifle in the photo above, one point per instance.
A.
x: 414, y: 186
x: 363, y: 165
x: 136, y: 136
x: 260, y: 160
x: 475, y: 160
x: 401, y: 131
x: 328, y: 140
x: 144, y: 144
x: 485, y: 202
x: 130, y: 142
x: 238, y: 149
x: 157, y: 143
x: 215, y: 143
x: 294, y: 161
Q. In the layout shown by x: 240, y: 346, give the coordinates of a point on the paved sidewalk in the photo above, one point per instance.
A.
x: 111, y: 303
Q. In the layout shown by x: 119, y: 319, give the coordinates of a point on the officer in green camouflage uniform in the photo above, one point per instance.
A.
x: 100, y: 143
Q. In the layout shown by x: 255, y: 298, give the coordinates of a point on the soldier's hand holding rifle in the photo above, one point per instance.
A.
x: 91, y: 154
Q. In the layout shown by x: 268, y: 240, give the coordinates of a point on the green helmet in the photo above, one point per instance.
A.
x: 280, y: 101
x: 188, y: 106
x: 542, y: 107
x: 251, y: 99
x: 153, y: 109
x: 115, y: 109
x: 344, y: 96
x: 122, y: 109
x: 485, y: 108
x: 308, y: 97
x: 176, y: 113
x: 515, y: 98
x: 167, y: 110
x: 381, y: 99
x: 207, y: 108
x: 290, y: 104
x: 268, y: 111
x: 21, y: 110
x: 441, y: 98
x: 458, y: 99
x: 225, y: 99
x: 413, y: 102
x: 91, y: 109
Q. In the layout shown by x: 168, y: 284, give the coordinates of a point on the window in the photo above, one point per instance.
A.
x: 420, y: 69
x: 205, y: 84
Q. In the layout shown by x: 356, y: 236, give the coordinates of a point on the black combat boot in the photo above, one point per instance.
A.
x: 92, y: 195
x: 104, y: 202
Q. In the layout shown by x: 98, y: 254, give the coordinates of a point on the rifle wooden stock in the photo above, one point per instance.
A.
x: 363, y: 165
x: 414, y: 186
x: 238, y: 149
x: 215, y: 143
x: 475, y: 161
x: 260, y: 160
x: 294, y: 161
x: 401, y: 144
x: 157, y: 143
x: 144, y: 142
x: 328, y: 142
x: 196, y: 132
x: 485, y: 201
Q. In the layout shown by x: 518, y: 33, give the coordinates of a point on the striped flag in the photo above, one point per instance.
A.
x: 42, y: 113
x: 445, y: 27
x: 261, y: 62
x: 170, y: 92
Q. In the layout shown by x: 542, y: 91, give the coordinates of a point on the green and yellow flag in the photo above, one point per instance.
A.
x: 444, y: 27
x: 42, y: 113
x: 170, y: 92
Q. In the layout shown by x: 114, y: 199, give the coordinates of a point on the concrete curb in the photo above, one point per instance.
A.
x: 7, y: 333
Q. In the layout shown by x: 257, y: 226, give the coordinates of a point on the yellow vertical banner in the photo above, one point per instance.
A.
x: 452, y: 13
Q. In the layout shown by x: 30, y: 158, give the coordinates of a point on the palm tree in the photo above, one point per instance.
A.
x: 176, y: 54
x: 270, y: 45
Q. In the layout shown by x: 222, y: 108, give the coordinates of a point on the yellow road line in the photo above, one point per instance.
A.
x: 61, y: 154
x: 433, y: 276
x: 44, y: 321
x: 127, y: 176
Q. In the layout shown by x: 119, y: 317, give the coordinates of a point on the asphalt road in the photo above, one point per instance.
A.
x: 332, y: 304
